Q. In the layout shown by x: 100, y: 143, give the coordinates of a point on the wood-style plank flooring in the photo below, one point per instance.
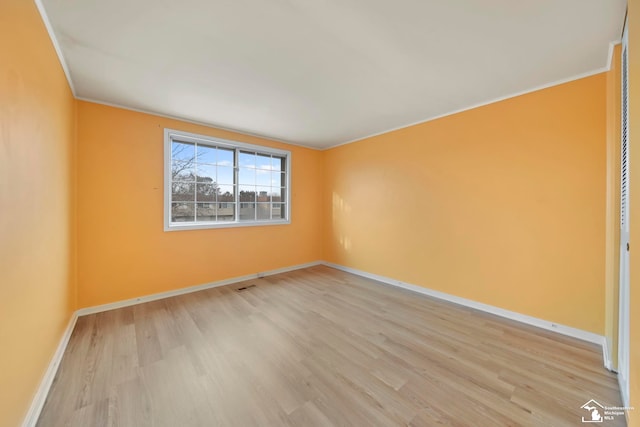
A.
x: 320, y: 347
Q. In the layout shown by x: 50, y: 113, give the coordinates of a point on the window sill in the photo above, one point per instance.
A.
x: 230, y: 224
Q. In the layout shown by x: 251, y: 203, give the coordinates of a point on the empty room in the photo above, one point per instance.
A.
x: 319, y: 213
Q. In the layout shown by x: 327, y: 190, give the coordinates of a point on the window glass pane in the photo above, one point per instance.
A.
x: 272, y: 178
x: 263, y: 211
x: 262, y: 194
x: 182, y: 192
x: 206, y: 154
x: 226, y: 211
x: 183, y: 151
x: 246, y: 176
x: 247, y: 212
x: 278, y: 211
x: 205, y: 212
x: 247, y: 193
x: 182, y: 171
x: 263, y: 161
x: 206, y: 173
x: 279, y: 179
x: 182, y: 212
x: 263, y: 177
x: 225, y: 175
x: 278, y: 163
x: 225, y: 157
x: 276, y: 194
x: 226, y: 193
x: 247, y: 160
x: 206, y: 193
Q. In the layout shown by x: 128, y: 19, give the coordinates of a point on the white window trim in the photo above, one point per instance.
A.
x: 170, y: 134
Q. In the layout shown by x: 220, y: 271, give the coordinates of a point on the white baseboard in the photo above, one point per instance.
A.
x: 624, y: 394
x: 182, y: 291
x: 43, y: 390
x: 512, y: 315
x: 606, y: 355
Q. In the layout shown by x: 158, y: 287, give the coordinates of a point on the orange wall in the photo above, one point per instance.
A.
x: 37, y: 294
x: 634, y: 208
x: 502, y: 204
x: 123, y: 251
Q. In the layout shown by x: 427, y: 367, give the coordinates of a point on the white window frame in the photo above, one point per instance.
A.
x: 171, y: 135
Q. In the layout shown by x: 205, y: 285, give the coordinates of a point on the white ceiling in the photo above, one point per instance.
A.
x: 324, y: 72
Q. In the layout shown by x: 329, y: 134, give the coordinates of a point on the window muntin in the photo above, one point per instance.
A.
x: 211, y: 183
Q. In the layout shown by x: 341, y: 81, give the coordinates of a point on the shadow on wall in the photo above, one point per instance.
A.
x: 340, y: 210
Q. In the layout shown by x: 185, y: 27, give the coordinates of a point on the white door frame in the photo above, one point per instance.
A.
x: 623, y: 305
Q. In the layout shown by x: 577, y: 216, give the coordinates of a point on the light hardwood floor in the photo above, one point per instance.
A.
x: 320, y: 347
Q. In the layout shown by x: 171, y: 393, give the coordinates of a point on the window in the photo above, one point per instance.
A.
x: 212, y: 182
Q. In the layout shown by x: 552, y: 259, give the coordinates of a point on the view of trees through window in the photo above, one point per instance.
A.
x: 219, y: 184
